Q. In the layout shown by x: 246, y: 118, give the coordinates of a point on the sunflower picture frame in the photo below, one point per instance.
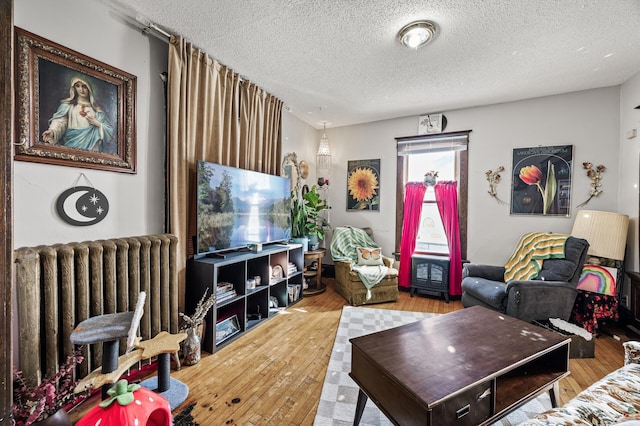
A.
x: 363, y: 185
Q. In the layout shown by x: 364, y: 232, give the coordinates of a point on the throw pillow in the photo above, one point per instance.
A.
x: 370, y: 256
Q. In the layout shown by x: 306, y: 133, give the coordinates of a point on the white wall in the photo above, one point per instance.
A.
x: 136, y: 201
x: 301, y: 138
x: 588, y: 120
x: 628, y: 166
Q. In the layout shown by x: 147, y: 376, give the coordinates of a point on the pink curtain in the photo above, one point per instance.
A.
x: 413, y: 198
x: 447, y: 199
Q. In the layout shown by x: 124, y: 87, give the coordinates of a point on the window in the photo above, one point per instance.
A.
x: 447, y: 154
x: 431, y: 235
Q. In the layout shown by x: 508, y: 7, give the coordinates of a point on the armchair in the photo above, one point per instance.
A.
x: 551, y: 294
x: 349, y: 283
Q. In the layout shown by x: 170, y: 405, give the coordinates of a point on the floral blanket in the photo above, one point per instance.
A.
x: 611, y: 400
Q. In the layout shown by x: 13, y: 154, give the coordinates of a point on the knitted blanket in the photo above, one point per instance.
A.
x: 526, y: 261
x: 344, y: 243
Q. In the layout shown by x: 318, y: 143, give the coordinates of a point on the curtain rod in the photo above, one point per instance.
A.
x: 149, y: 27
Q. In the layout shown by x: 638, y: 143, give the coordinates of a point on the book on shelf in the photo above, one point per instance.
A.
x: 223, y: 299
x: 223, y: 287
x: 226, y: 296
x: 293, y: 290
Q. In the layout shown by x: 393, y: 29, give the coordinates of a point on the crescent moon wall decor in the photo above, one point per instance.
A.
x: 82, y: 206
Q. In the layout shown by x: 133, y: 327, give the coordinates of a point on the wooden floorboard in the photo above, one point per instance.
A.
x: 277, y: 369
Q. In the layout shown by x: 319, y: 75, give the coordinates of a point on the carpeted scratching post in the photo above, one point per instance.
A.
x: 171, y: 389
x: 108, y: 329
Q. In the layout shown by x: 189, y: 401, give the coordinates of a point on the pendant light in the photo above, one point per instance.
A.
x: 323, y: 158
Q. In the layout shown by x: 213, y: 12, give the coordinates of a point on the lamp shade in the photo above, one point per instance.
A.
x: 606, y: 232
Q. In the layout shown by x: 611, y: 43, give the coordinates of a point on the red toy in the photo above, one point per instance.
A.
x: 129, y: 405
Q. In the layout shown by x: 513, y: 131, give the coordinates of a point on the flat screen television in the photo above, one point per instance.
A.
x: 236, y: 208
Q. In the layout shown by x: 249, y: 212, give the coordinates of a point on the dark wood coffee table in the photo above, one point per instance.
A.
x: 468, y: 367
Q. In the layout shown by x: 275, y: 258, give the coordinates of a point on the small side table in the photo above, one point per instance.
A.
x: 314, y: 275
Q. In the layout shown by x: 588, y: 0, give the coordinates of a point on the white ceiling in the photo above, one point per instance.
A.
x: 339, y: 61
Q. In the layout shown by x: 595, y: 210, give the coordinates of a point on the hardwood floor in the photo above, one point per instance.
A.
x: 277, y: 369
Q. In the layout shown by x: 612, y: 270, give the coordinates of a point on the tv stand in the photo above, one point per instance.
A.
x: 254, y: 287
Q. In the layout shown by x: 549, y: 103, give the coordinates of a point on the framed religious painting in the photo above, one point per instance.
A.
x: 72, y: 110
x: 541, y: 181
x: 363, y: 185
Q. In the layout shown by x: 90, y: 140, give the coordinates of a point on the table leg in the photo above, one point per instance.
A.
x: 554, y: 393
x: 362, y: 401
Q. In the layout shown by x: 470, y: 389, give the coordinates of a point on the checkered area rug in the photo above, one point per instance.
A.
x: 339, y: 393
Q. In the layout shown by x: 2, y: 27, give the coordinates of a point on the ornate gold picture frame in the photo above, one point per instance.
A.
x: 72, y: 110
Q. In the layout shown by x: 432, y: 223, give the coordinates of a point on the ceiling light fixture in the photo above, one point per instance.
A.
x: 417, y: 34
x: 323, y: 158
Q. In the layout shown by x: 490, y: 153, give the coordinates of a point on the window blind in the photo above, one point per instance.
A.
x: 442, y: 142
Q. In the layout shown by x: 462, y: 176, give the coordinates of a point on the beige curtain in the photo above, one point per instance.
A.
x: 203, y: 111
x: 260, y: 129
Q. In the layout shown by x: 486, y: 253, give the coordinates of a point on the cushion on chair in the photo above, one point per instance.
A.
x: 391, y: 273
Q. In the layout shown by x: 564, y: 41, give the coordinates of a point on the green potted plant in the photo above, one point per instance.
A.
x: 305, y: 218
x: 298, y: 221
x: 316, y: 224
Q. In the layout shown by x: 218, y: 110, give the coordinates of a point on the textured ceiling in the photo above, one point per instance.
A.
x: 338, y: 60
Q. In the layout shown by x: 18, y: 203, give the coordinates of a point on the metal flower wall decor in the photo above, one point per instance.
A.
x: 595, y: 174
x: 494, y: 177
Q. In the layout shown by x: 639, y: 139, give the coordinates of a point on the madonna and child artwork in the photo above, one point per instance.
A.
x: 73, y: 110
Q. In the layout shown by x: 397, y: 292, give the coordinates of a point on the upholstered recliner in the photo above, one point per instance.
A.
x: 551, y: 294
x: 349, y: 283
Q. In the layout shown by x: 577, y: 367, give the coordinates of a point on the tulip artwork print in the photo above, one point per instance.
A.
x: 532, y: 175
x: 541, y: 180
